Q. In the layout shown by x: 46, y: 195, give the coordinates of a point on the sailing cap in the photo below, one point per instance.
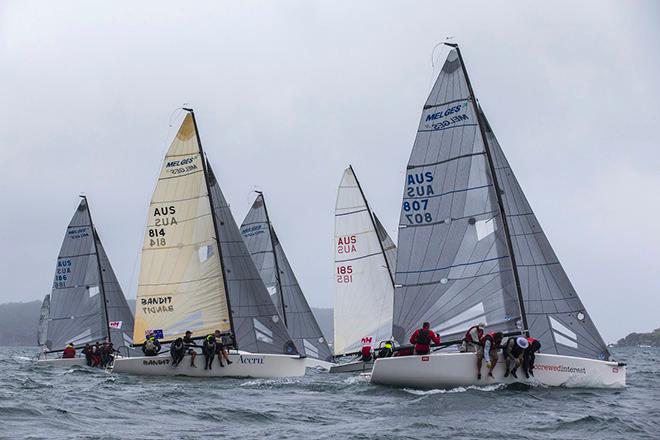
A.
x: 522, y: 342
x: 481, y: 324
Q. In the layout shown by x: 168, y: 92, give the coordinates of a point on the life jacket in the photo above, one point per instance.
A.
x: 366, y: 351
x: 469, y: 334
x: 423, y: 337
x: 69, y: 352
x: 489, y: 336
x: 149, y: 345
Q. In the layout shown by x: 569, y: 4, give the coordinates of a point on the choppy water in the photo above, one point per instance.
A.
x: 82, y: 403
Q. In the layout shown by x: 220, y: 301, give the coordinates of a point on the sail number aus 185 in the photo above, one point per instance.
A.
x: 344, y: 274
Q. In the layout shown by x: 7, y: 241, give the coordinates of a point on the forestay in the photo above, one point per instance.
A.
x: 276, y: 272
x: 555, y: 314
x: 257, y: 323
x: 363, y: 282
x: 453, y: 268
x: 181, y: 284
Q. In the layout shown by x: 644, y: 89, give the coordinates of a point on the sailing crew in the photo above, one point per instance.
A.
x: 488, y: 345
x: 365, y: 353
x: 422, y: 339
x: 87, y: 351
x: 177, y: 351
x: 221, y: 348
x: 472, y: 337
x: 188, y: 344
x: 96, y: 354
x: 69, y: 352
x: 529, y: 356
x: 151, y: 346
x: 209, y: 348
x: 105, y: 354
x: 513, y: 351
x: 110, y: 353
x: 386, y: 350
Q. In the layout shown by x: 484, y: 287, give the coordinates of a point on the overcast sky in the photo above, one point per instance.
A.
x: 287, y: 94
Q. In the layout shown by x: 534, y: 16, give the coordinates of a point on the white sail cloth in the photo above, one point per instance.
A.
x: 181, y: 283
x: 363, y: 283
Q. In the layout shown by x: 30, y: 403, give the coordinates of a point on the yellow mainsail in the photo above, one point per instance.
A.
x: 181, y: 283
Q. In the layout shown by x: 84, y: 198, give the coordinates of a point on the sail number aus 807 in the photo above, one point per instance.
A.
x: 414, y: 207
x: 344, y: 274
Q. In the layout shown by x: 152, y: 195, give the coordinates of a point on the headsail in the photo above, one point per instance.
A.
x: 257, y: 323
x: 453, y: 268
x: 181, y: 285
x: 120, y: 317
x: 555, y: 314
x: 363, y: 282
x: 269, y: 258
x: 42, y: 329
x: 389, y: 248
x: 82, y: 295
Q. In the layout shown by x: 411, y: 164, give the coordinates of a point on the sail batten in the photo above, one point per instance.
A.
x: 278, y: 277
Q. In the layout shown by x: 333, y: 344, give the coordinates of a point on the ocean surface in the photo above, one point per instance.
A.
x: 53, y: 403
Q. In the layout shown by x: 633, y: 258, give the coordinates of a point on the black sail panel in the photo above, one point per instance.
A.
x: 76, y: 308
x: 555, y: 314
x: 257, y: 323
x: 120, y: 317
x: 260, y: 237
x: 452, y: 267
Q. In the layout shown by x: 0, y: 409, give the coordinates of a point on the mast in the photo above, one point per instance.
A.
x: 215, y: 225
x: 98, y: 265
x: 373, y: 223
x: 500, y: 203
x: 277, y: 265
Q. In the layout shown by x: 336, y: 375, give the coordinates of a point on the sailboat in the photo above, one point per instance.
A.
x: 470, y: 249
x: 86, y: 304
x: 364, y: 277
x: 276, y: 272
x: 196, y: 274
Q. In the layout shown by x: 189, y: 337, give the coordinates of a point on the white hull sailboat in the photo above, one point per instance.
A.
x: 196, y: 274
x: 86, y: 304
x: 471, y: 250
x: 243, y: 365
x: 64, y: 363
x: 448, y: 370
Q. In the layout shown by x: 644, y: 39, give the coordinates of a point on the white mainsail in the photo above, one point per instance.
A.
x: 363, y: 282
x: 181, y: 285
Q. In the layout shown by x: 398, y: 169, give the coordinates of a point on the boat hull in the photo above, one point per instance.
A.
x: 446, y: 370
x: 318, y: 364
x: 59, y: 362
x: 243, y: 365
x: 353, y: 367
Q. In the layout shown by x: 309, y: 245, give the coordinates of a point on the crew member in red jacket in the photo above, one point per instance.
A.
x: 422, y: 339
x: 69, y: 352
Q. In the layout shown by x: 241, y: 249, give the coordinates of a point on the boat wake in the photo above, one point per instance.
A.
x: 485, y: 388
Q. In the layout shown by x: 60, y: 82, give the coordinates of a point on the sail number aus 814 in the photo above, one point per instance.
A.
x: 156, y: 237
x: 414, y: 207
x: 344, y: 274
